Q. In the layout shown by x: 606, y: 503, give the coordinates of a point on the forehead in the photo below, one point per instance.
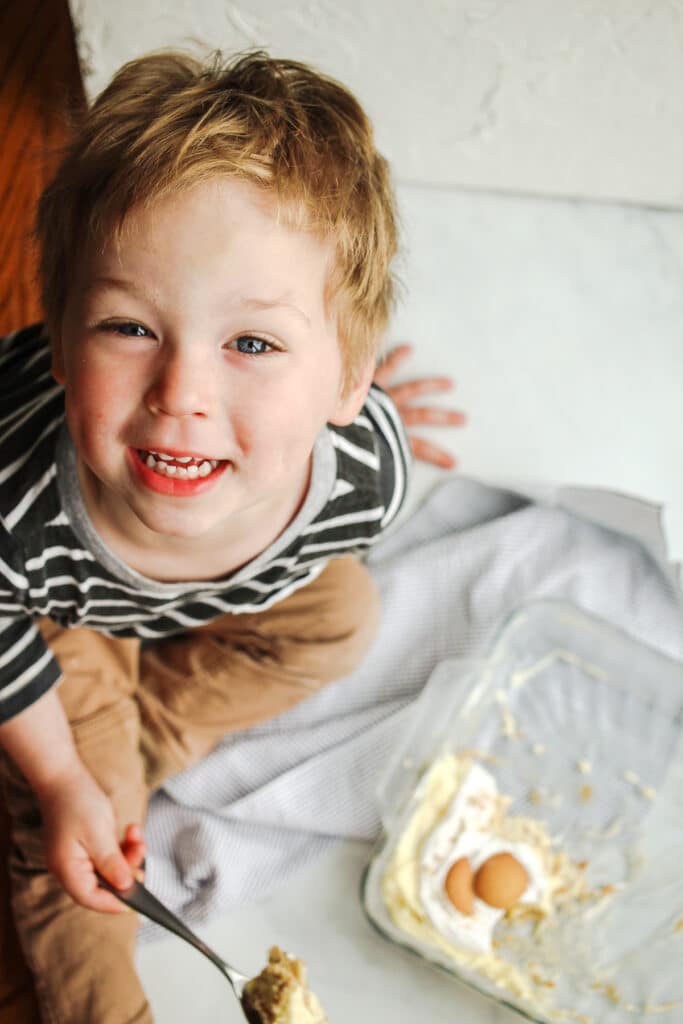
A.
x: 219, y: 206
x: 216, y: 245
x: 221, y: 218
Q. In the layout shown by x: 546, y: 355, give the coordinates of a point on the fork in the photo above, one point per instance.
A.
x: 141, y: 899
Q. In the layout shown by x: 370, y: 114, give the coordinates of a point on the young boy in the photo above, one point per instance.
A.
x: 191, y: 455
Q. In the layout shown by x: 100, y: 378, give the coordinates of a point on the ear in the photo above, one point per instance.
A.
x: 353, y: 395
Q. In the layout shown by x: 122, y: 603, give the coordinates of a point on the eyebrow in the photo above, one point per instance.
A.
x: 115, y: 282
x: 275, y: 304
x: 249, y: 303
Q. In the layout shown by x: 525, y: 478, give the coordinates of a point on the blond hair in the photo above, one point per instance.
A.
x: 168, y: 121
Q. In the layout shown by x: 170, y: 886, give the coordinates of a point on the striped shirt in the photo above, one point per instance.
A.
x: 53, y: 563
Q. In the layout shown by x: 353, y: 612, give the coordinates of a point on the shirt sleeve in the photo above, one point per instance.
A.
x: 393, y: 448
x: 27, y: 666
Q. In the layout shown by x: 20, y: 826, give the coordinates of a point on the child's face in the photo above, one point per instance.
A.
x: 204, y: 335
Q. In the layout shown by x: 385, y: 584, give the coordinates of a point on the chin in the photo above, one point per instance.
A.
x: 181, y: 531
x: 187, y: 527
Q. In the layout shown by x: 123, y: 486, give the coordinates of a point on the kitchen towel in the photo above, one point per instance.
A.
x: 270, y: 798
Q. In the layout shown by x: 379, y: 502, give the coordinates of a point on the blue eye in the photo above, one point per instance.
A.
x: 251, y: 346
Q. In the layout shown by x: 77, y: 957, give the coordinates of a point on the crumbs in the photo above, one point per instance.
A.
x: 540, y: 981
x: 478, y: 755
x: 614, y: 828
x: 509, y: 727
x: 610, y: 991
x: 648, y: 792
x: 544, y: 797
x: 538, y: 796
x: 584, y: 767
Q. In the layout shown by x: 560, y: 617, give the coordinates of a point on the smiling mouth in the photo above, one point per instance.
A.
x: 179, y: 467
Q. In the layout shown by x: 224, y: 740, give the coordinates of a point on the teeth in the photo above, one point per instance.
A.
x: 165, y: 465
x: 172, y: 458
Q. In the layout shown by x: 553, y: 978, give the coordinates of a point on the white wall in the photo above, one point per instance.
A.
x: 562, y: 324
x: 573, y: 98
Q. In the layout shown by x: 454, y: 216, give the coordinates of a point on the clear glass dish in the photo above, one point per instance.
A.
x: 581, y: 726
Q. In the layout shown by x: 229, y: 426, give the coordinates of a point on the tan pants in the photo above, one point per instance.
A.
x: 138, y: 717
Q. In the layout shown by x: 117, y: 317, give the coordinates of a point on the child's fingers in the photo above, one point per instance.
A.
x: 425, y: 451
x: 402, y: 393
x: 390, y: 363
x: 80, y: 882
x: 132, y: 835
x: 105, y: 902
x: 432, y: 416
x: 135, y: 856
x: 396, y: 354
x: 133, y: 847
x: 113, y: 865
x: 134, y: 852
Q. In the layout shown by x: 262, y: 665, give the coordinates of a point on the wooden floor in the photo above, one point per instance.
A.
x: 40, y: 83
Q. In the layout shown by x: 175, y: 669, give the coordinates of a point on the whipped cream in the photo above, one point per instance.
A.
x: 466, y: 830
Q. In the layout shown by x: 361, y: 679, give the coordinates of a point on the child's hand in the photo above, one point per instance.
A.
x: 80, y: 836
x: 403, y: 394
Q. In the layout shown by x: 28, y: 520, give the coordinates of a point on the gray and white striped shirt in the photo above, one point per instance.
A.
x: 53, y: 563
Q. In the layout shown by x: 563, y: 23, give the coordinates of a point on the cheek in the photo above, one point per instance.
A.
x: 277, y: 435
x: 95, y: 405
x: 89, y: 425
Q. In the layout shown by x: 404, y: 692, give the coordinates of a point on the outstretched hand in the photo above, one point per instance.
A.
x: 403, y: 396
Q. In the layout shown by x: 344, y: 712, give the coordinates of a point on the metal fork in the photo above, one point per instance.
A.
x: 141, y: 899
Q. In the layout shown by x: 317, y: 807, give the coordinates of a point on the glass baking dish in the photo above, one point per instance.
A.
x: 581, y: 726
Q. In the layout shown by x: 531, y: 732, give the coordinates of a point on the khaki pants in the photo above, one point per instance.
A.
x: 138, y: 717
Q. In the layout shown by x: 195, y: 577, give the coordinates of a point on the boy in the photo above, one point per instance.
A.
x: 190, y: 452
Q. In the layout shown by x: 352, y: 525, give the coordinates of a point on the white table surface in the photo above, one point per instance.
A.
x: 562, y: 324
x: 359, y: 976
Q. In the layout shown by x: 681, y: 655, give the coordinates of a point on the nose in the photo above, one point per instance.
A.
x: 181, y: 386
